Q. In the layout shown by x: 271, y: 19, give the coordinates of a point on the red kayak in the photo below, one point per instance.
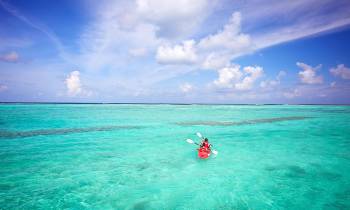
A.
x: 203, y: 153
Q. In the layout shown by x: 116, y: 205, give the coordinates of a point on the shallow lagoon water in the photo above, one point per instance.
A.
x: 81, y: 156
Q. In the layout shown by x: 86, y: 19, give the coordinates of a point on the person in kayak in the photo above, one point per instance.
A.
x: 205, y: 144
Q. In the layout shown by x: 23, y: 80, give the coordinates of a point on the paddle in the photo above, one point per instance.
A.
x: 191, y: 141
x: 200, y: 136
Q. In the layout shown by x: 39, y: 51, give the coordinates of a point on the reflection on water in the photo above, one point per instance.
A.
x: 23, y: 134
x: 245, y: 122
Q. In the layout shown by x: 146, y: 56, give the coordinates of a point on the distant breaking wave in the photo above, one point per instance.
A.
x: 245, y: 122
x: 62, y: 131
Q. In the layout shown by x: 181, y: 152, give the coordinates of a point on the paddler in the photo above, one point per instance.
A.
x: 205, y: 144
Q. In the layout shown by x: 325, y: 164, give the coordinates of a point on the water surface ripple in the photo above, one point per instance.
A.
x: 108, y: 156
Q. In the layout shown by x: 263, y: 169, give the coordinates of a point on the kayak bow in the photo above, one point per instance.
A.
x: 203, y: 153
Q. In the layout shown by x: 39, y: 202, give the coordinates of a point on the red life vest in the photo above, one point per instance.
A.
x: 206, y: 145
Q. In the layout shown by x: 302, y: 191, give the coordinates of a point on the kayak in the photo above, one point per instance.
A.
x: 203, y: 153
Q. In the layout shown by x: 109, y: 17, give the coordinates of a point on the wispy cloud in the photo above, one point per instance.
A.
x: 283, y: 21
x: 35, y: 25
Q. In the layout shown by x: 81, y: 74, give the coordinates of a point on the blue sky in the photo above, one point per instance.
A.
x: 180, y: 51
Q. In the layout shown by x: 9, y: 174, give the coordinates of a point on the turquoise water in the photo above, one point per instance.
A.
x: 55, y: 156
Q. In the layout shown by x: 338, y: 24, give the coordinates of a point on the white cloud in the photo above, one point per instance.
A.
x: 186, y: 87
x: 160, y: 10
x: 174, y: 18
x: 253, y: 73
x: 228, y: 76
x: 341, y: 71
x: 74, y: 85
x: 218, y: 49
x: 269, y: 84
x: 3, y: 87
x: 233, y: 77
x: 308, y: 74
x: 216, y: 61
x: 11, y: 57
x: 179, y: 54
x: 213, y: 51
x: 230, y: 38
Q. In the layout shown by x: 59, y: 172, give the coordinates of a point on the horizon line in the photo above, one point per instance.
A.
x: 164, y: 103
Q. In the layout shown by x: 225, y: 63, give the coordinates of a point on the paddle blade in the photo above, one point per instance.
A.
x: 199, y: 135
x: 190, y: 141
x: 214, y: 152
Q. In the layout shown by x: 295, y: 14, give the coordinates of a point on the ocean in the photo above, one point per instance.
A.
x: 135, y: 156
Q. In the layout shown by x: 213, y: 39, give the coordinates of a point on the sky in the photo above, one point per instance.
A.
x: 184, y: 51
